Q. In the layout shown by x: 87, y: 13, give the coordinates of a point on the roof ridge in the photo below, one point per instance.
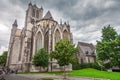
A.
x: 83, y: 43
x: 86, y: 44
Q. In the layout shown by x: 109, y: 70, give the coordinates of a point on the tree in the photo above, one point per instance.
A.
x: 3, y: 58
x: 117, y: 51
x: 108, y: 49
x: 64, y: 53
x: 41, y: 58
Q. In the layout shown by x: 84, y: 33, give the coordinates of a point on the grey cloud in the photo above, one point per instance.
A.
x: 4, y: 38
x: 8, y: 13
x: 86, y: 17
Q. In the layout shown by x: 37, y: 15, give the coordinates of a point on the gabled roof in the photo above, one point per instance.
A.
x: 86, y: 48
x: 48, y: 16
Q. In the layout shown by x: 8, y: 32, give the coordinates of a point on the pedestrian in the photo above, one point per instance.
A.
x: 16, y: 71
x: 8, y: 70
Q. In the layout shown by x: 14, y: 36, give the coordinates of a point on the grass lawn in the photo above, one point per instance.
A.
x: 95, y: 74
x: 47, y: 79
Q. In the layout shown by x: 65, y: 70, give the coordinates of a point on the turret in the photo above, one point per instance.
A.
x: 15, y: 23
x: 13, y: 31
x: 14, y: 27
x: 30, y: 4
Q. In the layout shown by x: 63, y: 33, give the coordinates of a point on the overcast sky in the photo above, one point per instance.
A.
x: 86, y: 17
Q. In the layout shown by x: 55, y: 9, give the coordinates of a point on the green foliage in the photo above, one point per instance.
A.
x: 64, y: 52
x: 91, y: 65
x: 108, y: 49
x: 41, y: 58
x: 3, y: 58
x: 108, y: 33
x: 75, y: 65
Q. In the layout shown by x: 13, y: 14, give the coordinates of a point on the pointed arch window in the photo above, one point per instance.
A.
x: 38, y: 41
x: 65, y: 35
x: 46, y: 41
x: 57, y: 36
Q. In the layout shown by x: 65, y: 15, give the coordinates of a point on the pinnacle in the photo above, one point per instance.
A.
x: 15, y: 23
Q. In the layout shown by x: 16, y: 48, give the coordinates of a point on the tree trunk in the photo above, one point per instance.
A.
x: 40, y: 69
x: 64, y: 73
x: 51, y: 64
x: 101, y: 68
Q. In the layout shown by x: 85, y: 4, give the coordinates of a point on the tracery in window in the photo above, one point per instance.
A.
x: 38, y: 41
x: 46, y: 41
x: 65, y: 35
x: 57, y: 36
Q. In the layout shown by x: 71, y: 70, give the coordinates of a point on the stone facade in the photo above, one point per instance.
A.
x: 86, y: 53
x: 39, y: 32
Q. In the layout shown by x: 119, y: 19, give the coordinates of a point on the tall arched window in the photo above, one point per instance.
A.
x: 57, y: 36
x: 65, y: 35
x: 38, y: 41
x: 46, y: 40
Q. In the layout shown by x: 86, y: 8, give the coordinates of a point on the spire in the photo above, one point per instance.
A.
x: 48, y: 15
x: 30, y: 3
x: 35, y: 5
x: 15, y: 23
x: 67, y: 22
x: 41, y: 7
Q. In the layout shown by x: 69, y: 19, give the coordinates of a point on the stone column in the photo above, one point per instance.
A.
x: 50, y: 48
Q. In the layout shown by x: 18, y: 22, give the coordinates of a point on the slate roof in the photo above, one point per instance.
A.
x: 86, y: 48
x: 48, y: 16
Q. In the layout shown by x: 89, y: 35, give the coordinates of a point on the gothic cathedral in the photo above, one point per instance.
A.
x: 39, y: 32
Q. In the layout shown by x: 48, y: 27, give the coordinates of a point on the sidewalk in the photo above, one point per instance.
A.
x: 56, y: 77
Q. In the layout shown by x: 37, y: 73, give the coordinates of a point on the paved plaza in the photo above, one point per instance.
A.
x: 39, y: 76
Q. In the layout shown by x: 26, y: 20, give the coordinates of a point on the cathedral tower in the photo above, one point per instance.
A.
x: 33, y: 13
